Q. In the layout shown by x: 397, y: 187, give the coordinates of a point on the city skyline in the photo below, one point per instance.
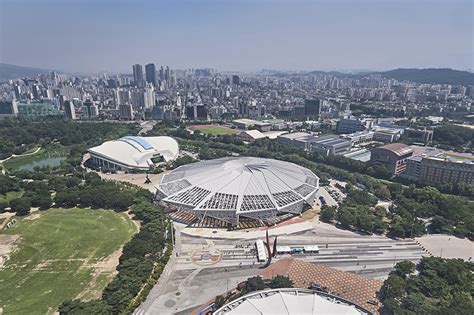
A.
x: 238, y: 36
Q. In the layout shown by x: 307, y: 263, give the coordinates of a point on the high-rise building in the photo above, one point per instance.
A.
x: 138, y: 75
x: 88, y: 109
x: 138, y: 98
x: 17, y: 91
x: 36, y: 91
x: 69, y: 110
x: 149, y: 96
x: 167, y: 73
x: 162, y: 73
x: 150, y: 73
x: 236, y: 80
x: 123, y: 96
x: 312, y: 108
x: 126, y: 112
x: 8, y: 109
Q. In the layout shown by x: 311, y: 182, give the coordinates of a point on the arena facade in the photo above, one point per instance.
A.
x: 229, y: 189
x: 134, y: 153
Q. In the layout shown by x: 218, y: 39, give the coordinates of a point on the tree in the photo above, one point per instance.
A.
x: 21, y: 206
x: 404, y: 268
x: 347, y: 219
x: 382, y: 192
x: 253, y: 284
x: 327, y: 213
x: 76, y: 307
x: 219, y: 301
x: 281, y: 282
x: 42, y: 201
x: 417, y: 303
x: 393, y: 287
x: 365, y: 222
x: 3, y: 205
x: 396, y: 230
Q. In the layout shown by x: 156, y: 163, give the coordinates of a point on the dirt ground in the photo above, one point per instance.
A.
x: 136, y: 179
x: 104, y: 267
x: 7, y: 245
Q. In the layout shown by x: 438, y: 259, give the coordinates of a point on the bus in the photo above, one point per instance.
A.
x: 261, y: 251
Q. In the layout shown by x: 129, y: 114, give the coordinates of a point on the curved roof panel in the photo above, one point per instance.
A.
x: 137, y: 152
x: 287, y: 301
x: 239, y: 184
x: 398, y: 149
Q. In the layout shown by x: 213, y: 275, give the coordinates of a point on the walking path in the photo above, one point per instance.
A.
x: 20, y: 155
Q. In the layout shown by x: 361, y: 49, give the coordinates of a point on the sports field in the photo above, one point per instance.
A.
x: 61, y: 254
x: 213, y: 130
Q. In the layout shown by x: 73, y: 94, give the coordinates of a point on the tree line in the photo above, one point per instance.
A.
x: 434, y: 286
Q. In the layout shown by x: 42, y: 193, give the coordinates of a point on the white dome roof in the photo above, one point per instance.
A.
x: 243, y: 185
x: 288, y: 301
x: 137, y: 152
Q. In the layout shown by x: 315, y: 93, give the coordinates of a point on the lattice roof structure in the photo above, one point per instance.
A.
x: 229, y: 188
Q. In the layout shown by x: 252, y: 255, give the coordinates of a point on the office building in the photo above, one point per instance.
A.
x: 312, y: 109
x: 150, y: 73
x: 359, y: 137
x: 126, y: 112
x: 422, y: 135
x: 8, y: 109
x: 236, y: 80
x: 330, y: 145
x: 326, y: 145
x: 444, y: 169
x: 392, y: 156
x: 351, y: 125
x: 69, y: 110
x: 196, y: 112
x: 387, y: 135
x: 138, y: 78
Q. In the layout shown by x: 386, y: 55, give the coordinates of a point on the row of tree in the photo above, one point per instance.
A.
x: 434, y: 286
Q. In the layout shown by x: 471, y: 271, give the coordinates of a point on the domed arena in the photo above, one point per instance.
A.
x: 230, y: 189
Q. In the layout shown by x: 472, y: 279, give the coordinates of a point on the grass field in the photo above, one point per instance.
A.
x: 59, y: 256
x: 11, y: 195
x: 213, y: 130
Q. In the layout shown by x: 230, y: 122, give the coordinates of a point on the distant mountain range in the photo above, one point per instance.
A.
x: 437, y: 76
x: 10, y: 72
x: 440, y: 76
x: 432, y: 75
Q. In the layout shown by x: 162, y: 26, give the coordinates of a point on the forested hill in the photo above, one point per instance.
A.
x: 440, y: 76
x: 10, y: 72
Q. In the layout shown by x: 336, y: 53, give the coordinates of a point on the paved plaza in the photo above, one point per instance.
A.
x: 206, y: 267
x: 447, y: 246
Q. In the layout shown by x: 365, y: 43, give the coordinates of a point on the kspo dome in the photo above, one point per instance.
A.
x: 231, y: 188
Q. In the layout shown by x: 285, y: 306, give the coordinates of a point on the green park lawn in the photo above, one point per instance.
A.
x: 55, y: 256
x: 11, y: 195
x: 214, y: 130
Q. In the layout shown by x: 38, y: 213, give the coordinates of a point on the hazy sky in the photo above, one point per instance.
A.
x: 99, y: 35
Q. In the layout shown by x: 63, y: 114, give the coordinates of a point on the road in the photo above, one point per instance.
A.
x: 206, y: 268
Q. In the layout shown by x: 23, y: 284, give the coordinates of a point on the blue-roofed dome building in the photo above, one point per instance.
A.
x: 229, y: 189
x: 134, y: 153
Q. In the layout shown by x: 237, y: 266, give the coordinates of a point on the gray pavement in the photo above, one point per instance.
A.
x: 205, y: 268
